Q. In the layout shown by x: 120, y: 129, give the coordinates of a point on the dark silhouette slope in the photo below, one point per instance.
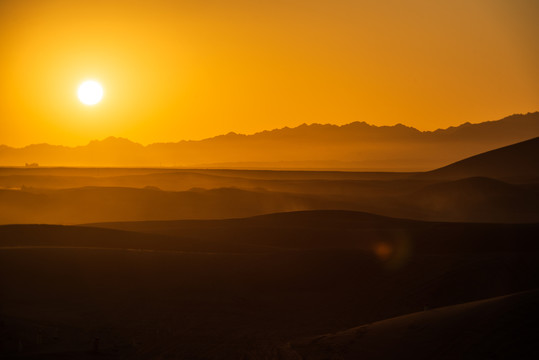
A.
x: 346, y: 230
x: 515, y: 161
x: 496, y: 328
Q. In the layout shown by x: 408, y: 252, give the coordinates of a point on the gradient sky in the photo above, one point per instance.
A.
x: 176, y: 70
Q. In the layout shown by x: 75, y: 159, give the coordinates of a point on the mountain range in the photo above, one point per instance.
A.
x: 355, y: 146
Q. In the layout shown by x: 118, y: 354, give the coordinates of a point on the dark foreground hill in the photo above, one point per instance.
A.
x: 497, y: 328
x: 247, y: 288
x: 334, y: 229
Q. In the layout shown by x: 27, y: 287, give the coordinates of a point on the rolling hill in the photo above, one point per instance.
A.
x: 476, y: 199
x: 244, y: 288
x: 496, y: 186
x: 500, y: 327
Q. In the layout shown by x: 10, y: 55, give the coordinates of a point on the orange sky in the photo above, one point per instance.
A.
x: 177, y: 70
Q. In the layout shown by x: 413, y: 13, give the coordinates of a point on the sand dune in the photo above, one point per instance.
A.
x: 472, y: 200
x: 242, y: 288
x: 500, y: 327
x: 326, y: 229
x: 94, y: 204
x: 476, y: 199
x: 513, y: 162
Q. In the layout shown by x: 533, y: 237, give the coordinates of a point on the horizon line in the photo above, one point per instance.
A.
x: 232, y: 133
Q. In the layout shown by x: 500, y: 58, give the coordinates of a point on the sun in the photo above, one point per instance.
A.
x: 90, y: 92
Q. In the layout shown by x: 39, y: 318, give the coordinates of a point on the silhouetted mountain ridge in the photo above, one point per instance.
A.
x: 356, y: 145
x: 114, y: 141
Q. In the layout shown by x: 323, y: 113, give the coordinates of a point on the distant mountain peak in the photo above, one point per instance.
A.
x: 113, y: 141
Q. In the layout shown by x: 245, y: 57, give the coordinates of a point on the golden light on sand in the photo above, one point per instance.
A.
x: 90, y: 92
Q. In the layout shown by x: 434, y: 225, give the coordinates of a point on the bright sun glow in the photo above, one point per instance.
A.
x: 90, y: 92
